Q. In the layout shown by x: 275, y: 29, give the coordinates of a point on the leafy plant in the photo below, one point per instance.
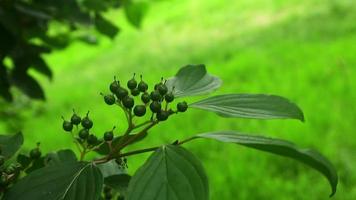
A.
x: 31, y: 28
x: 171, y: 172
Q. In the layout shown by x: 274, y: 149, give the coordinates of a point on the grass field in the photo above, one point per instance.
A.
x: 303, y: 50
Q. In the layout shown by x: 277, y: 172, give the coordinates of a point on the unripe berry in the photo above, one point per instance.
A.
x: 84, y: 133
x: 140, y: 110
x: 67, y: 126
x: 155, y: 106
x: 92, y: 139
x: 109, y: 99
x: 169, y: 97
x: 145, y: 97
x: 108, y: 136
x: 121, y: 93
x: 182, y: 106
x: 131, y: 84
x: 162, y: 115
x: 157, y: 85
x: 162, y: 89
x: 128, y: 102
x: 155, y: 96
x: 87, y: 123
x: 114, y: 86
x: 135, y: 92
x: 75, y: 119
x: 35, y: 153
x: 142, y: 86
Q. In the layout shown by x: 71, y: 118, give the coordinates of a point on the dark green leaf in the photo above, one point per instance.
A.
x: 65, y: 155
x: 118, y: 182
x: 282, y: 148
x: 41, y: 66
x: 256, y: 106
x: 4, y: 81
x: 96, y: 5
x: 170, y: 173
x: 36, y: 164
x: 28, y: 85
x: 193, y: 80
x: 135, y: 12
x: 10, y: 144
x: 70, y: 181
x: 105, y: 27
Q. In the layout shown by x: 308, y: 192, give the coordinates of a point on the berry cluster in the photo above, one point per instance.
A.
x: 125, y: 97
x: 10, y: 172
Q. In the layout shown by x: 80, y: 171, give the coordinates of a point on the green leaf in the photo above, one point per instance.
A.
x: 171, y: 172
x: 105, y: 27
x: 255, y: 106
x: 135, y: 12
x: 41, y: 66
x: 10, y: 144
x: 193, y: 80
x: 61, y: 156
x: 70, y: 181
x: 36, y: 164
x: 28, y: 85
x: 118, y: 182
x: 110, y: 168
x: 282, y: 148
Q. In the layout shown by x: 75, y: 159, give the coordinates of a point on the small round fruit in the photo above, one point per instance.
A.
x: 84, y: 133
x: 114, y: 86
x: 35, y: 153
x: 92, y: 139
x: 87, y: 123
x: 2, y: 160
x: 169, y: 97
x: 109, y: 99
x: 162, y: 115
x: 155, y: 96
x: 128, y: 102
x: 182, y: 106
x: 135, y: 92
x: 140, y: 110
x: 108, y: 136
x: 75, y: 119
x: 162, y: 89
x: 155, y: 106
x: 67, y: 126
x: 121, y: 93
x: 157, y: 85
x: 142, y: 86
x: 145, y: 97
x: 132, y: 84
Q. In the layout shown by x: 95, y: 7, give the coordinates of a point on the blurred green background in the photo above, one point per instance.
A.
x: 304, y: 50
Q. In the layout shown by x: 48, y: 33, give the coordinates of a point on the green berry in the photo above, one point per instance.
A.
x: 2, y: 160
x: 135, y: 92
x: 155, y: 96
x: 121, y: 93
x: 162, y: 115
x: 157, y: 85
x: 35, y: 153
x: 132, y: 84
x: 140, y: 110
x: 169, y: 97
x: 92, y: 139
x: 155, y: 106
x: 87, y: 123
x: 114, y: 86
x: 145, y: 97
x: 182, y: 106
x: 162, y: 89
x: 142, y: 86
x: 75, y: 119
x: 84, y: 133
x: 108, y: 136
x: 109, y: 99
x: 67, y: 126
x: 128, y: 102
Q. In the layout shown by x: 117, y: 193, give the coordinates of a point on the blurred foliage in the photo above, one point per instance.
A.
x: 31, y: 28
